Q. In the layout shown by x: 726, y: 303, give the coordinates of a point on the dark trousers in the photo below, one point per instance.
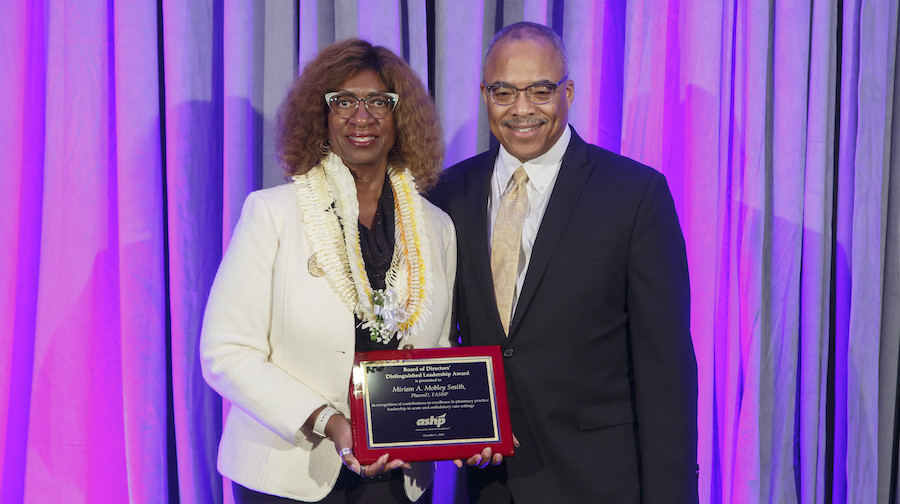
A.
x: 488, y: 485
x: 349, y: 489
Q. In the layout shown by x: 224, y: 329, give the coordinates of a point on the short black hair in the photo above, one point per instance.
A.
x: 526, y: 30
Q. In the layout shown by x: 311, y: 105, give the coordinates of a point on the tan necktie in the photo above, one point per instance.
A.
x: 506, y: 244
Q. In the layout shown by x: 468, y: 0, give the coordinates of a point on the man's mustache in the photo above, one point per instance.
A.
x: 531, y: 121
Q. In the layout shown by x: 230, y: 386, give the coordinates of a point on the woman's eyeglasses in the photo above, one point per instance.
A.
x: 345, y: 105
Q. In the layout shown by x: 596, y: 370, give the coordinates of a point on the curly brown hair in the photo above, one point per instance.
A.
x: 303, y: 117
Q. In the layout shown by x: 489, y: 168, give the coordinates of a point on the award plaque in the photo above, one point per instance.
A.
x: 429, y: 404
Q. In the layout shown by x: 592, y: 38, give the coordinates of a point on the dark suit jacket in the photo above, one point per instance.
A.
x: 599, y: 359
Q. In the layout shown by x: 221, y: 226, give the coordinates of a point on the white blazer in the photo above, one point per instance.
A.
x: 278, y: 344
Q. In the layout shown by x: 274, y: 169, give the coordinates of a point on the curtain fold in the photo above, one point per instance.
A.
x: 135, y: 133
x: 790, y: 37
x: 193, y: 83
x: 75, y: 337
x: 131, y: 133
x: 458, y: 72
x: 817, y: 247
x: 872, y: 352
x: 22, y: 50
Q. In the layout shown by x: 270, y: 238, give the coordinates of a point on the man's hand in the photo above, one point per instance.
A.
x: 485, y: 458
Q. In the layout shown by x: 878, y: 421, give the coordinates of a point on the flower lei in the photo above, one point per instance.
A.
x: 327, y: 197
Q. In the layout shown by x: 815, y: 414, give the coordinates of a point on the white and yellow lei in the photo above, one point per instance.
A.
x: 327, y: 198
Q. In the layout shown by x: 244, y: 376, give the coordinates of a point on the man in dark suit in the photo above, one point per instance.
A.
x: 594, y: 329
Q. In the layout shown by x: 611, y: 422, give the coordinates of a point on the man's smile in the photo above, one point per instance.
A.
x: 522, y: 127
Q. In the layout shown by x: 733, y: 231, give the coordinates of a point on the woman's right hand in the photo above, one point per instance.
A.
x: 340, y: 432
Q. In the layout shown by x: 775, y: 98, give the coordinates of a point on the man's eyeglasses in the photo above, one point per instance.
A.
x: 538, y: 94
x: 345, y: 105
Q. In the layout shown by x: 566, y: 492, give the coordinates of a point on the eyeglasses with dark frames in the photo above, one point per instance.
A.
x: 345, y: 105
x: 538, y: 94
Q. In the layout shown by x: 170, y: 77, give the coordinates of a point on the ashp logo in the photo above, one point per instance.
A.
x: 436, y: 421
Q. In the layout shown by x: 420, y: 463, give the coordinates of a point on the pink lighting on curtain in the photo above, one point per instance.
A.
x: 126, y: 159
x: 20, y: 215
x: 74, y: 408
x: 84, y: 407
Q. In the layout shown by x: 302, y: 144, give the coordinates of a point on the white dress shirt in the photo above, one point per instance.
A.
x: 542, y: 172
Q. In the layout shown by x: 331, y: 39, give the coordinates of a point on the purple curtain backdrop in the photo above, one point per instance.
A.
x: 130, y: 133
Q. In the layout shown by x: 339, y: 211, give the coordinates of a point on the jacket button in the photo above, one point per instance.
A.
x: 508, y: 352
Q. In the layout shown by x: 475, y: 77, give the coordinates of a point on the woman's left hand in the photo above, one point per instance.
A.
x: 340, y: 432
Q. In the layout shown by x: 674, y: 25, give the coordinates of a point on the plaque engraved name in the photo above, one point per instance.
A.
x: 429, y: 404
x: 436, y: 402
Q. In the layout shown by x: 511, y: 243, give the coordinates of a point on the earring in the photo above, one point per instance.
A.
x: 325, y: 147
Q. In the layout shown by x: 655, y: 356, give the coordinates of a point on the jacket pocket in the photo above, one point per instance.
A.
x: 597, y: 416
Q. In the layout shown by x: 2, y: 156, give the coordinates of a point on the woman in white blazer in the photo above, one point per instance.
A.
x: 346, y: 257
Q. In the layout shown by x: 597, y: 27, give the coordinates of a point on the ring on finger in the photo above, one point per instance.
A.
x: 362, y: 471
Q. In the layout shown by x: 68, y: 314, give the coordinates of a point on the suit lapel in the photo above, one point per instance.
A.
x: 478, y: 184
x: 573, y: 174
